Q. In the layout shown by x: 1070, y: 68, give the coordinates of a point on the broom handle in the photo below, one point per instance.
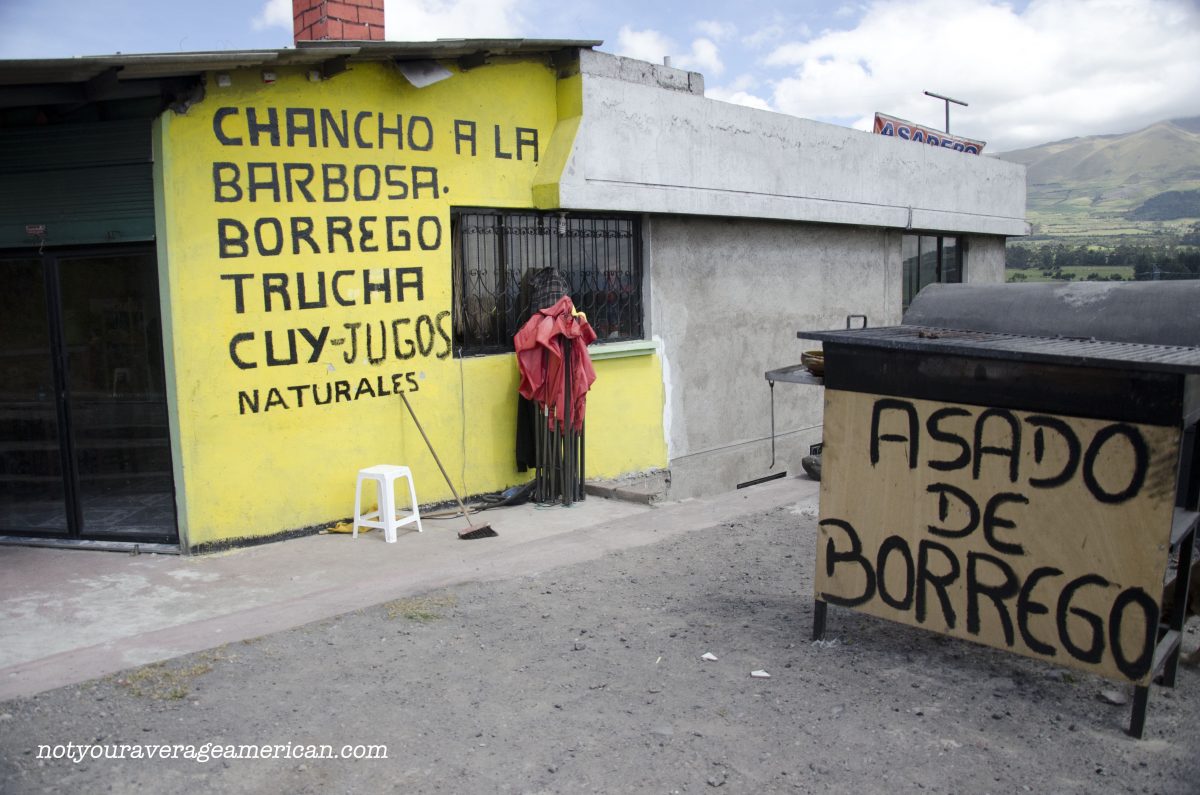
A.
x: 437, y: 460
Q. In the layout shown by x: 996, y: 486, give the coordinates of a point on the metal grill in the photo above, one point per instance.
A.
x: 1148, y: 326
x: 495, y: 254
x: 1127, y: 355
x: 1150, y: 313
x: 1015, y: 347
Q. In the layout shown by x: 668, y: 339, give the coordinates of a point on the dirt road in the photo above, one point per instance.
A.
x: 589, y: 678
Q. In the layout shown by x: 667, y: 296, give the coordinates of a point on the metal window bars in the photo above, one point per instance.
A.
x: 493, y: 252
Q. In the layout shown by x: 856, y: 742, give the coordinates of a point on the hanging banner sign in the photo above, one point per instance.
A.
x: 890, y: 125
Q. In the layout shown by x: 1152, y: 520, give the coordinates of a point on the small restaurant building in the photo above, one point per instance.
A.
x: 221, y: 269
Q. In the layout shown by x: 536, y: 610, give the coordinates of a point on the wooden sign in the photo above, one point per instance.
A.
x: 1044, y: 535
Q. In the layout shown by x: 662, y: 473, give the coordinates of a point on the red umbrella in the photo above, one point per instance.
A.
x: 539, y: 346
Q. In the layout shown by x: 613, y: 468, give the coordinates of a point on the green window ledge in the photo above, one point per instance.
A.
x: 620, y: 350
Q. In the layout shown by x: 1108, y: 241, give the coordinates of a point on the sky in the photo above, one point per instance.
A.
x: 1031, y: 71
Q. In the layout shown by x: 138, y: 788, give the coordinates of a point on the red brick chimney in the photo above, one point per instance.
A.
x: 337, y: 20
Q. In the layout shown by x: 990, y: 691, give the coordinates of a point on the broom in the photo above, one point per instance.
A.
x: 470, y: 532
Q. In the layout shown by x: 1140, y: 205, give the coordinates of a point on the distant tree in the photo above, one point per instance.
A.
x: 1044, y: 258
x: 1171, y: 263
x: 1017, y: 257
x: 1189, y: 261
x: 1056, y: 254
x: 1069, y: 257
x: 1192, y: 236
x: 1095, y: 258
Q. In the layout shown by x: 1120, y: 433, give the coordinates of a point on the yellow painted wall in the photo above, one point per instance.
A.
x: 254, y: 461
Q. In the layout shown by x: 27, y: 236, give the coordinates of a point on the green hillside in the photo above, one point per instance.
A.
x: 1130, y: 189
x: 1169, y: 206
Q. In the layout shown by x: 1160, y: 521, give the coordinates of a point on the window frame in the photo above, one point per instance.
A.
x: 911, y: 282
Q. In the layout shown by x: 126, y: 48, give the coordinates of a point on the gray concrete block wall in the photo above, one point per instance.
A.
x: 727, y: 298
x: 631, y: 70
x: 650, y: 143
x: 985, y: 259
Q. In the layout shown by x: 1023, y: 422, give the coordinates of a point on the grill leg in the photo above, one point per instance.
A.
x: 819, y: 609
x: 1178, y: 617
x: 1137, y: 719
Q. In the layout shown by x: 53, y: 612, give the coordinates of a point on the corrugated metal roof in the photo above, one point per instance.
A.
x: 137, y: 66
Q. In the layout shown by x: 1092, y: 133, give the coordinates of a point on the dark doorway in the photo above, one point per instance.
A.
x: 84, y: 441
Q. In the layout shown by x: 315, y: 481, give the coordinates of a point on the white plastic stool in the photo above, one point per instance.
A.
x: 385, y: 516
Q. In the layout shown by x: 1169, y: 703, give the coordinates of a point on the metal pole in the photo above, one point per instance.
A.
x: 537, y: 446
x: 568, y: 490
x: 947, y: 100
x: 550, y: 464
x: 772, y: 385
x: 552, y: 424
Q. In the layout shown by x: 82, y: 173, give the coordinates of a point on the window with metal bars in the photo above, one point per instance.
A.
x: 502, y: 261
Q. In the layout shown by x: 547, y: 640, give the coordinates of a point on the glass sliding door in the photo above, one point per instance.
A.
x: 111, y: 332
x: 109, y: 434
x: 33, y: 496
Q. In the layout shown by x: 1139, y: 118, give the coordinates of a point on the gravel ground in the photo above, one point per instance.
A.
x: 589, y: 678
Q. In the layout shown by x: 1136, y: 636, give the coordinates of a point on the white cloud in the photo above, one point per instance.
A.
x: 645, y: 45
x: 1056, y: 69
x: 744, y: 82
x: 704, y: 57
x: 717, y: 31
x: 274, y: 14
x: 771, y: 33
x: 651, y: 45
x: 738, y: 97
x: 426, y: 20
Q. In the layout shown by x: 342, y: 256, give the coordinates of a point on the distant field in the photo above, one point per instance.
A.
x: 1098, y: 215
x: 1104, y: 272
x: 1104, y: 230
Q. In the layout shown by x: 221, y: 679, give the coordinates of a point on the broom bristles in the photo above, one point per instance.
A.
x: 473, y: 532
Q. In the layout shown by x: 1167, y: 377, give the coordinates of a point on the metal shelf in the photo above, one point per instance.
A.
x: 795, y: 374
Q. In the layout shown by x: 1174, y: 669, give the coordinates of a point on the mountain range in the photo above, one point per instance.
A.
x: 1130, y: 187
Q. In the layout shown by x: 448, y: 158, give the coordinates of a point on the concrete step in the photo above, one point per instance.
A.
x: 644, y: 488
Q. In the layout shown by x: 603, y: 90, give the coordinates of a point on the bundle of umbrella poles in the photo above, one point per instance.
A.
x: 556, y: 374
